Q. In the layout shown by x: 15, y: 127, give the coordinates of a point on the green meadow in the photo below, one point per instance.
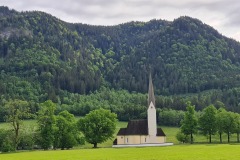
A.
x: 176, y: 152
x: 198, y: 151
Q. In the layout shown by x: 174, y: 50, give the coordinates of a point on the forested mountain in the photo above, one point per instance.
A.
x: 42, y: 57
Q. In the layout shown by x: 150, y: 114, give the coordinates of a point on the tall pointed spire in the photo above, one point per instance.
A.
x: 151, y: 97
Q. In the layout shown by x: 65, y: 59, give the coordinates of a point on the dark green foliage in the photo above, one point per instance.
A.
x: 56, y: 131
x: 126, y: 105
x: 170, y: 117
x: 40, y: 56
x: 74, y: 65
x: 6, y: 142
x: 8, y: 146
x: 98, y: 126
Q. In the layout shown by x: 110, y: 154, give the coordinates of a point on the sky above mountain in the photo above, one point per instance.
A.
x: 221, y: 14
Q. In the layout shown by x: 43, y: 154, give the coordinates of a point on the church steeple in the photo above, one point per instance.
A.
x: 152, y: 116
x: 151, y: 97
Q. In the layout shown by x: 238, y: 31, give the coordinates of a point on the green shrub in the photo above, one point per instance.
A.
x: 6, y: 144
x: 26, y: 141
x: 182, y: 138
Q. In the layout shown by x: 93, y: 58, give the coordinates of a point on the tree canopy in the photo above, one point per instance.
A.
x: 17, y: 111
x: 207, y: 121
x: 46, y: 124
x: 189, y: 123
x: 98, y: 126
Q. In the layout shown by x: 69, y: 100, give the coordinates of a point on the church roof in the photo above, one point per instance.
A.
x: 160, y: 132
x: 138, y: 127
x: 151, y: 97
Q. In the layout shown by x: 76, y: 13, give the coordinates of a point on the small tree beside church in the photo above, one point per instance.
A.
x: 98, y: 126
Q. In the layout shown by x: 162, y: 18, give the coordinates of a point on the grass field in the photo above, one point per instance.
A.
x: 176, y: 152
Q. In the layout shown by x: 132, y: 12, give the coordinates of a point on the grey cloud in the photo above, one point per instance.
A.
x: 230, y: 10
x: 219, y: 13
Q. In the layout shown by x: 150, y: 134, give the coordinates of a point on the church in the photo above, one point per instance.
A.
x: 143, y: 131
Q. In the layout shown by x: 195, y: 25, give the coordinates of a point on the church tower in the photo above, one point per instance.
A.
x: 152, y: 120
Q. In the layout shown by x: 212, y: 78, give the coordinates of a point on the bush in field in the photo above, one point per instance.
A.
x: 27, y: 139
x: 6, y: 141
x: 8, y: 146
x: 182, y: 137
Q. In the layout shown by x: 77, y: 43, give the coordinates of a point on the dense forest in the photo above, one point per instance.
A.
x: 82, y: 67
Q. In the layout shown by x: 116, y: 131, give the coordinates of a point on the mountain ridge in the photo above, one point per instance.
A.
x: 185, y: 56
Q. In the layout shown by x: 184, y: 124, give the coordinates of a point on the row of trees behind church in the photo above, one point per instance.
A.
x: 211, y: 121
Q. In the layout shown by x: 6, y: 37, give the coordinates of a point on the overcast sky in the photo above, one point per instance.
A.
x: 223, y: 15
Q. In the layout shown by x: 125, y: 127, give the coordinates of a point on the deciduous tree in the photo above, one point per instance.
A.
x: 229, y: 124
x: 46, y: 124
x: 207, y: 122
x: 220, y: 122
x: 237, y: 127
x: 189, y: 123
x: 98, y: 126
x: 66, y: 132
x: 225, y: 123
x: 17, y: 111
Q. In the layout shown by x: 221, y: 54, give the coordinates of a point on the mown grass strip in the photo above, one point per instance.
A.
x: 177, y: 152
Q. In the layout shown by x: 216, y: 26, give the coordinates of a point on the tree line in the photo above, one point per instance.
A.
x: 131, y: 105
x: 61, y: 130
x: 55, y: 131
x: 209, y: 122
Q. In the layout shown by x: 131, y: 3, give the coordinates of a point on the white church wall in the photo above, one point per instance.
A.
x: 152, y: 120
